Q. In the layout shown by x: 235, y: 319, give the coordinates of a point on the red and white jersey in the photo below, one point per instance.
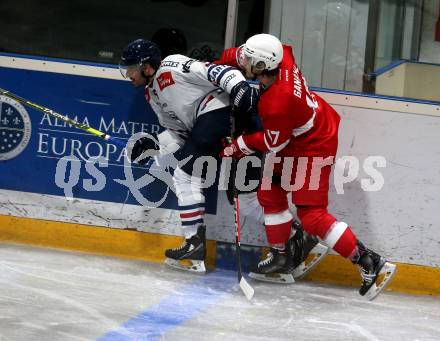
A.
x: 229, y: 57
x: 184, y: 89
x: 296, y: 122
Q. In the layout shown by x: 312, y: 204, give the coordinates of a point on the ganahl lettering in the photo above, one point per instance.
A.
x: 297, y: 83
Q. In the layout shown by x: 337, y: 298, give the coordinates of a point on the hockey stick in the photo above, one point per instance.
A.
x: 70, y: 121
x: 244, y: 285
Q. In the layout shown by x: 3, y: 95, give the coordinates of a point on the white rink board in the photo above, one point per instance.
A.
x: 400, y: 221
x: 108, y: 214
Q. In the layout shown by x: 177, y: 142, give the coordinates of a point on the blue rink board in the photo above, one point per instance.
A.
x: 109, y: 105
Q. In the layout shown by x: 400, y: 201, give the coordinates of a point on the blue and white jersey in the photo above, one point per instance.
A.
x: 184, y: 88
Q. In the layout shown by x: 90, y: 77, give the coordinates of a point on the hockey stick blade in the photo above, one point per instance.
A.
x: 246, y: 288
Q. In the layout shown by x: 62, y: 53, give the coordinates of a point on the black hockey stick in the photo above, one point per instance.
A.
x: 70, y: 121
x: 244, y: 285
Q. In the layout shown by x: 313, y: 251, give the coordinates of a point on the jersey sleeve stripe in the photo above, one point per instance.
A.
x: 305, y: 127
x: 223, y: 73
x: 275, y: 149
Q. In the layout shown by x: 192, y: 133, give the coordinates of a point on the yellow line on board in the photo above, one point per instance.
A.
x: 411, y: 279
x: 98, y: 240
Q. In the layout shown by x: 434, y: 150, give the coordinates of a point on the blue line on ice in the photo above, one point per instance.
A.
x: 176, y: 309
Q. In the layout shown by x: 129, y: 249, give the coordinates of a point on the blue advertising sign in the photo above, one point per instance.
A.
x: 33, y: 143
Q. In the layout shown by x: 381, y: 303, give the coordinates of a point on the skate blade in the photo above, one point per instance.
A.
x: 273, y: 277
x: 316, y: 256
x: 187, y: 265
x: 386, y: 274
x: 246, y: 288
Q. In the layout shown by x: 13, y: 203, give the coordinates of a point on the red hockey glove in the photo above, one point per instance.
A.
x: 236, y: 149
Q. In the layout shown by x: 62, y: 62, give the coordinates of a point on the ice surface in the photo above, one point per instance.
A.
x: 53, y: 295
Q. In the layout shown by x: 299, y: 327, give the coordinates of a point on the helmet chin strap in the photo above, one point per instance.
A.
x: 256, y: 71
x: 149, y: 79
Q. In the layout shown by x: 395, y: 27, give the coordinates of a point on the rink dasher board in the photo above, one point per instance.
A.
x: 412, y: 279
x: 398, y: 222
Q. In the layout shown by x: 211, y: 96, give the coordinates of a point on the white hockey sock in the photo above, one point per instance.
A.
x: 280, y: 246
x: 189, y: 231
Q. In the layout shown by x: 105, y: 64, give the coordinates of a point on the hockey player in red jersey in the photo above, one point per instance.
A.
x: 303, y: 251
x: 300, y: 136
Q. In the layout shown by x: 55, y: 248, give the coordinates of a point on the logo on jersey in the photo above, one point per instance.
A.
x: 165, y: 79
x: 15, y: 128
x: 187, y: 65
x: 273, y: 136
x: 169, y: 63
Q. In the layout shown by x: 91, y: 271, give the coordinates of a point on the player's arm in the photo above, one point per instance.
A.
x: 276, y: 135
x: 228, y: 78
x: 243, y: 96
x: 281, y: 118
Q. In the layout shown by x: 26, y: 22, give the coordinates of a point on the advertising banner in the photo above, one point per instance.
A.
x: 41, y: 154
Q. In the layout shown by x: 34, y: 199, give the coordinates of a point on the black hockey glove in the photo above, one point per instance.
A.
x: 244, y: 97
x: 142, y: 145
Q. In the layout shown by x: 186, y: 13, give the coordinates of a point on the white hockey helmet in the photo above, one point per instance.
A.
x: 262, y: 51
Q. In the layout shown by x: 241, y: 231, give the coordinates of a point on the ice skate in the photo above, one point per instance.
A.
x: 275, y: 267
x: 190, y: 256
x: 375, y: 271
x: 307, y: 251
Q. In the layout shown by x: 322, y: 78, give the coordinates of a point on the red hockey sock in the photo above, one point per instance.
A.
x: 337, y: 235
x: 278, y: 227
x: 341, y: 238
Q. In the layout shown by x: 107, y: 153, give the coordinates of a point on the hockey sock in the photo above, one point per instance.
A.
x: 337, y: 235
x: 278, y: 227
x: 280, y: 247
x: 189, y: 231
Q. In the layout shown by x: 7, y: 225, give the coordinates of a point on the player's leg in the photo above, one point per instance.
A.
x: 204, y: 140
x: 276, y: 266
x: 301, y: 244
x: 191, y: 202
x: 316, y: 220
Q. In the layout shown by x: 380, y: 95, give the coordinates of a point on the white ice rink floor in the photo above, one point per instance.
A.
x: 52, y: 295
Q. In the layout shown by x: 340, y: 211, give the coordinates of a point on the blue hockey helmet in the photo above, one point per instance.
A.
x: 139, y: 52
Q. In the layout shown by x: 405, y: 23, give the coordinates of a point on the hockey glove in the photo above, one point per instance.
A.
x: 142, y: 145
x: 244, y: 97
x: 236, y: 149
